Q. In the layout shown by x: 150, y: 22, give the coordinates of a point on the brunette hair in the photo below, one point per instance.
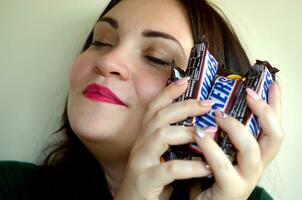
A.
x: 70, y: 170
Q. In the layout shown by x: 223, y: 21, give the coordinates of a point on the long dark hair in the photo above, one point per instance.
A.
x: 71, y: 171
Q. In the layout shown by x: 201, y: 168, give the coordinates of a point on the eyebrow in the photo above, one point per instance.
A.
x: 157, y: 34
x: 147, y: 33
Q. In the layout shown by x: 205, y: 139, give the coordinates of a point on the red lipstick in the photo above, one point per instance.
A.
x: 101, y: 93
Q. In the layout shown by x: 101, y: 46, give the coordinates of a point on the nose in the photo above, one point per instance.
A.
x: 113, y: 64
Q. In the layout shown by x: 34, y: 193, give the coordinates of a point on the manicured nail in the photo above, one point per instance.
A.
x: 199, y: 132
x: 211, y: 129
x: 182, y: 81
x: 220, y: 114
x: 277, y: 78
x: 252, y: 93
x: 278, y: 81
x: 207, y: 102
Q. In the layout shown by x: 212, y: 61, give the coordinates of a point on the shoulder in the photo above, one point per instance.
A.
x: 14, y: 177
x: 259, y: 194
x: 7, y: 165
x: 16, y: 171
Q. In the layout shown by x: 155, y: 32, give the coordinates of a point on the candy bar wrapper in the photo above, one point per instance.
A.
x: 223, y: 93
x: 176, y: 73
x: 229, y: 94
x: 259, y: 78
x: 202, y: 68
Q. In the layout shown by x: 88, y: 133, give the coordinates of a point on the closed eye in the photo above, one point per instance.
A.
x: 99, y: 44
x: 157, y: 61
x: 149, y: 58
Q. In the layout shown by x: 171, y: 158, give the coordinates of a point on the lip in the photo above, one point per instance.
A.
x: 102, y: 93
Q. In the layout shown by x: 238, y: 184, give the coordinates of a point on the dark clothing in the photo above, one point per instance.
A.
x: 15, y: 179
x: 19, y: 180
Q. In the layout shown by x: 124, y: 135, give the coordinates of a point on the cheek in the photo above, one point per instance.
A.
x: 149, y: 86
x: 80, y: 69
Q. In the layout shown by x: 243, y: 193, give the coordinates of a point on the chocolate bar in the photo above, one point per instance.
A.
x: 229, y: 96
x: 223, y: 93
x: 202, y: 68
x: 258, y: 78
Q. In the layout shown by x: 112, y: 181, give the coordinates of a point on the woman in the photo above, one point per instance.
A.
x: 114, y: 141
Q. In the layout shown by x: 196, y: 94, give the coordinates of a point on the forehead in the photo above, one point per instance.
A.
x: 167, y: 16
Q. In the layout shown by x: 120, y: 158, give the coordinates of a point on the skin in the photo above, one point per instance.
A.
x: 128, y: 140
x: 124, y: 69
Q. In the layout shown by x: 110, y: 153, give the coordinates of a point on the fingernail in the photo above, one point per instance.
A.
x: 252, y: 93
x: 207, y: 102
x: 182, y: 81
x: 220, y: 114
x: 277, y: 78
x: 278, y: 81
x: 211, y: 129
x: 199, y: 132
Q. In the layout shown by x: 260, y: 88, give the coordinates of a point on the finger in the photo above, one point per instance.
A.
x: 157, y: 144
x: 165, y: 97
x: 273, y: 134
x: 179, y: 111
x: 274, y: 98
x: 222, y: 168
x: 165, y: 173
x: 248, y: 156
x: 267, y: 117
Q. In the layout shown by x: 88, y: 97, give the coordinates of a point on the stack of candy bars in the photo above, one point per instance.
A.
x: 227, y: 90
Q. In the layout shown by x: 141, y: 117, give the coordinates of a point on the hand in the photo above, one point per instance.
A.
x: 146, y: 176
x: 237, y: 182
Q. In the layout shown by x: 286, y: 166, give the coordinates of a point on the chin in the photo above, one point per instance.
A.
x: 95, y: 126
x: 97, y: 123
x: 92, y: 133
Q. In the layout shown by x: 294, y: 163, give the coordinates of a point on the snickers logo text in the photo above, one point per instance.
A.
x: 221, y: 93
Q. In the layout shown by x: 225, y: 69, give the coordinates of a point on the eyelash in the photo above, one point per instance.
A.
x: 97, y: 44
x: 157, y: 61
x: 149, y: 58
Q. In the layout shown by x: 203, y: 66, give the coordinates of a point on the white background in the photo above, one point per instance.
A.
x: 40, y: 39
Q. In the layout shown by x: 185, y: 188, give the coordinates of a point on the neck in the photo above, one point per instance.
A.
x: 113, y: 159
x: 114, y: 173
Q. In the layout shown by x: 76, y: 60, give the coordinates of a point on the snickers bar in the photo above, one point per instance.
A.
x: 202, y: 68
x: 229, y: 96
x: 258, y: 78
x: 223, y: 92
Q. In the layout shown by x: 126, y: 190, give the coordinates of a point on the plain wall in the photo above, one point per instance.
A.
x: 40, y: 39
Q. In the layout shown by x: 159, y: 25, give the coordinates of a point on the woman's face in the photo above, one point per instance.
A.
x: 134, y: 44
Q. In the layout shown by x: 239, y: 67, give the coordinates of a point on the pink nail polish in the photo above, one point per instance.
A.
x: 182, y: 81
x: 207, y: 102
x: 252, y: 93
x: 220, y: 114
x: 278, y: 81
x: 202, y: 132
x: 277, y: 78
x: 211, y: 129
x: 199, y: 132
